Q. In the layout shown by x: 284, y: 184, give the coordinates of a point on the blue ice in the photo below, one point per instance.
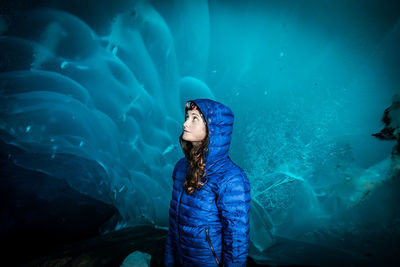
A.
x: 105, y: 112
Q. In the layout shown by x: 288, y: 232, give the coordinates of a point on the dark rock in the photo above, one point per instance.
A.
x: 40, y: 213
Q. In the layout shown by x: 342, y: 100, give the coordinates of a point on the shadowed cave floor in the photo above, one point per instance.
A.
x: 112, y: 248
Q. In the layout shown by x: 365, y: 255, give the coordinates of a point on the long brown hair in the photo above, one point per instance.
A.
x: 196, y: 157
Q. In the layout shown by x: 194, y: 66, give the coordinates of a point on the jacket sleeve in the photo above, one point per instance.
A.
x: 168, y: 255
x: 234, y: 208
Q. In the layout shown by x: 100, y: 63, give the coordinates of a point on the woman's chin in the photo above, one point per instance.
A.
x: 186, y: 137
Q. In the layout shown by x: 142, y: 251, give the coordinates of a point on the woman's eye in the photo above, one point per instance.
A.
x: 193, y: 118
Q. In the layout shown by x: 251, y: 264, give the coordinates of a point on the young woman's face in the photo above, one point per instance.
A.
x: 194, y: 128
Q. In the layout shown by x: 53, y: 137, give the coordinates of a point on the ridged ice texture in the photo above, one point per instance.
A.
x: 102, y: 112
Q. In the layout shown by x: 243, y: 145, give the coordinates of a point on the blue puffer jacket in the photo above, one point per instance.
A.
x: 211, y: 226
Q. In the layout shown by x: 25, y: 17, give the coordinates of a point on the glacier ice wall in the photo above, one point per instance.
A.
x: 94, y: 96
x: 101, y: 112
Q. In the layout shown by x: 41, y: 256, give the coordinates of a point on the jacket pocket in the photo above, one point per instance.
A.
x: 211, y: 246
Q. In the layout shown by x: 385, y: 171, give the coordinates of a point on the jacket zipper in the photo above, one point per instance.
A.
x: 212, y: 248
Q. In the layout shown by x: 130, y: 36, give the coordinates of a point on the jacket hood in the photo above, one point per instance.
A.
x: 219, y: 119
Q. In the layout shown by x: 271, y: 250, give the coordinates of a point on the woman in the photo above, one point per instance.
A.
x: 210, y: 206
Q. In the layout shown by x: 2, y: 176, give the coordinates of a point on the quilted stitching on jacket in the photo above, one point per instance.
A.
x: 222, y: 206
